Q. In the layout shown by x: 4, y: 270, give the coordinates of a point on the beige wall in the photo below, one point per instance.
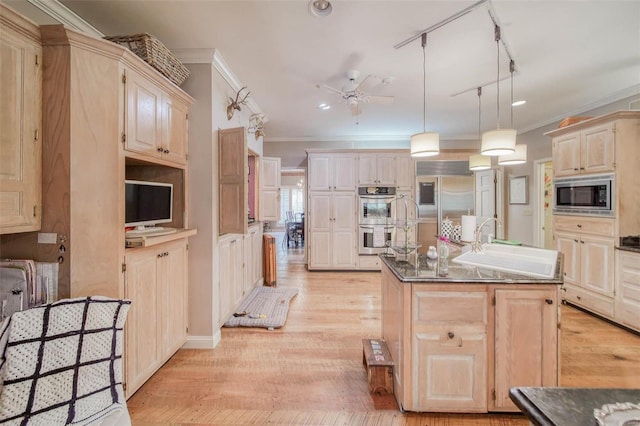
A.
x: 206, y: 116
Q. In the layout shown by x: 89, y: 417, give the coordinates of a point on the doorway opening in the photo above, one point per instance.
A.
x: 291, y: 224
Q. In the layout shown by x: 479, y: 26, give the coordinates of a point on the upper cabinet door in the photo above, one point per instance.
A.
x: 405, y: 172
x: 343, y: 172
x: 367, y: 170
x: 143, y: 115
x: 386, y: 169
x: 269, y: 197
x: 566, y: 155
x: 175, y: 130
x: 319, y: 172
x: 597, y: 149
x: 20, y: 129
x: 232, y: 179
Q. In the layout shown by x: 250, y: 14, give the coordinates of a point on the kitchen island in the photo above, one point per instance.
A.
x: 459, y: 342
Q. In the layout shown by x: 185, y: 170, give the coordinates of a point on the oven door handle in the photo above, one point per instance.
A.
x: 376, y: 226
x: 377, y: 197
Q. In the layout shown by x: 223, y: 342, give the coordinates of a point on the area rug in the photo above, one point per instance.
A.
x: 265, y: 307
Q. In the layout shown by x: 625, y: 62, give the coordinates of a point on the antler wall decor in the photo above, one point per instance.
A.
x: 256, y: 125
x: 235, y: 104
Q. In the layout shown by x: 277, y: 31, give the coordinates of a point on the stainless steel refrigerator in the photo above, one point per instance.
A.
x: 439, y: 198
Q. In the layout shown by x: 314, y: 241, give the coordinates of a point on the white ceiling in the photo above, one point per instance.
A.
x: 570, y: 56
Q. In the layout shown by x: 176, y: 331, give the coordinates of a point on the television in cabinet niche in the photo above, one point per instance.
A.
x: 147, y: 203
x: 155, y: 179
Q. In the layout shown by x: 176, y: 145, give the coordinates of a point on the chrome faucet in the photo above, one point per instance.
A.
x: 476, y: 246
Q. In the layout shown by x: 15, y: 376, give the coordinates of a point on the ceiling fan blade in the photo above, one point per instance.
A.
x: 385, y: 100
x: 368, y: 83
x: 331, y: 89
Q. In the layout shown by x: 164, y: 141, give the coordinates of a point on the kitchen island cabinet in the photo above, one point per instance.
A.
x: 460, y: 342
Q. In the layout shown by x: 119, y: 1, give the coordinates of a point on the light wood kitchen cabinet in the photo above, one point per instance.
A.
x: 332, y: 230
x: 450, y: 353
x: 143, y: 333
x: 460, y: 346
x: 405, y: 172
x: 588, y: 261
x: 526, y: 342
x: 20, y: 124
x: 156, y: 283
x: 327, y: 172
x: 586, y: 151
x: 155, y: 122
x: 628, y: 289
x: 377, y: 169
x: 253, y: 257
x: 269, y: 200
x: 85, y: 164
x: 174, y: 284
x: 232, y: 274
x: 232, y: 181
x: 604, y: 144
x: 240, y: 268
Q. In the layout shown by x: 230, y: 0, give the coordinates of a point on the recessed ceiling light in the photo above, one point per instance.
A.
x: 518, y: 103
x: 320, y: 7
x: 324, y: 106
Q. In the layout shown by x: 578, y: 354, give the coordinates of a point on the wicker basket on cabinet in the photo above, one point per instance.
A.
x: 156, y: 54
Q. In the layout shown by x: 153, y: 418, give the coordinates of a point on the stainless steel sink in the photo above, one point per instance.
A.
x: 529, y: 261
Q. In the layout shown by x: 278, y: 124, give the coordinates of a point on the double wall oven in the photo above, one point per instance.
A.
x: 374, y: 212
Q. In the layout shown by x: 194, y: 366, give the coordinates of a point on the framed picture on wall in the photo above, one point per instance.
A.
x: 518, y: 190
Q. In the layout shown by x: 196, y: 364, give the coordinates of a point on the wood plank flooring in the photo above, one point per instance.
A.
x: 310, y: 371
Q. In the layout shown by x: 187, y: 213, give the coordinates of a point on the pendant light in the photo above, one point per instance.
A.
x: 425, y: 144
x: 520, y: 154
x: 478, y: 162
x: 499, y: 141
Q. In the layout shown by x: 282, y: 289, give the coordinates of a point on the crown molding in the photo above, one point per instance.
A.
x: 66, y: 16
x: 614, y: 97
x: 232, y: 80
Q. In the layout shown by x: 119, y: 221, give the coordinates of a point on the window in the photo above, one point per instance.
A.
x: 291, y: 199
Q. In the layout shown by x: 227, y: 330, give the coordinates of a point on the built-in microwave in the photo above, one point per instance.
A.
x: 589, y: 195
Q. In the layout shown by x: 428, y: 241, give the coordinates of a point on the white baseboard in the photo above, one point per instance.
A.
x: 203, y: 342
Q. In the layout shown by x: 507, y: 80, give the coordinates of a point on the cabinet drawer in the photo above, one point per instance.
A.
x: 585, y: 225
x: 369, y: 263
x: 590, y: 301
x: 450, y: 307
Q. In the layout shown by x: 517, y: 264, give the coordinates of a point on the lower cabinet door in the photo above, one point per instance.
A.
x: 173, y: 279
x: 142, y: 330
x: 450, y: 375
x: 526, y: 342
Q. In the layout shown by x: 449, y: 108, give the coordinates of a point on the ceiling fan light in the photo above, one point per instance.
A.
x: 498, y: 142
x: 425, y: 144
x: 478, y: 162
x: 320, y: 7
x: 518, y: 157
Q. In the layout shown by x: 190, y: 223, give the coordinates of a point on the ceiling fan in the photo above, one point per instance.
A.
x: 354, y: 93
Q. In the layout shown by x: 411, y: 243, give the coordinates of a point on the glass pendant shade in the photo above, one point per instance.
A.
x: 498, y: 142
x: 478, y: 162
x: 425, y: 144
x: 518, y: 157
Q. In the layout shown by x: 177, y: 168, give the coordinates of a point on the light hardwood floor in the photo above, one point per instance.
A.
x: 310, y: 371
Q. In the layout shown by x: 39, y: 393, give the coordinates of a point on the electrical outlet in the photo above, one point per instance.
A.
x: 47, y: 238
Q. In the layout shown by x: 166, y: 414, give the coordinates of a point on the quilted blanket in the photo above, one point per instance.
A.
x: 61, y: 363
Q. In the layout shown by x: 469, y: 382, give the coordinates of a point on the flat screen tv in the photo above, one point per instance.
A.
x: 147, y: 203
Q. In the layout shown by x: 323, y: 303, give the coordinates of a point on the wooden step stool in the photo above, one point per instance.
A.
x: 379, y: 365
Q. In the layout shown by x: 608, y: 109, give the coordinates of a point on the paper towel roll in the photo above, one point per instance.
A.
x: 468, y: 228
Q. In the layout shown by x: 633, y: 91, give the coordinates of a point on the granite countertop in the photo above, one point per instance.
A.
x: 631, y: 249
x: 427, y: 272
x: 567, y: 406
